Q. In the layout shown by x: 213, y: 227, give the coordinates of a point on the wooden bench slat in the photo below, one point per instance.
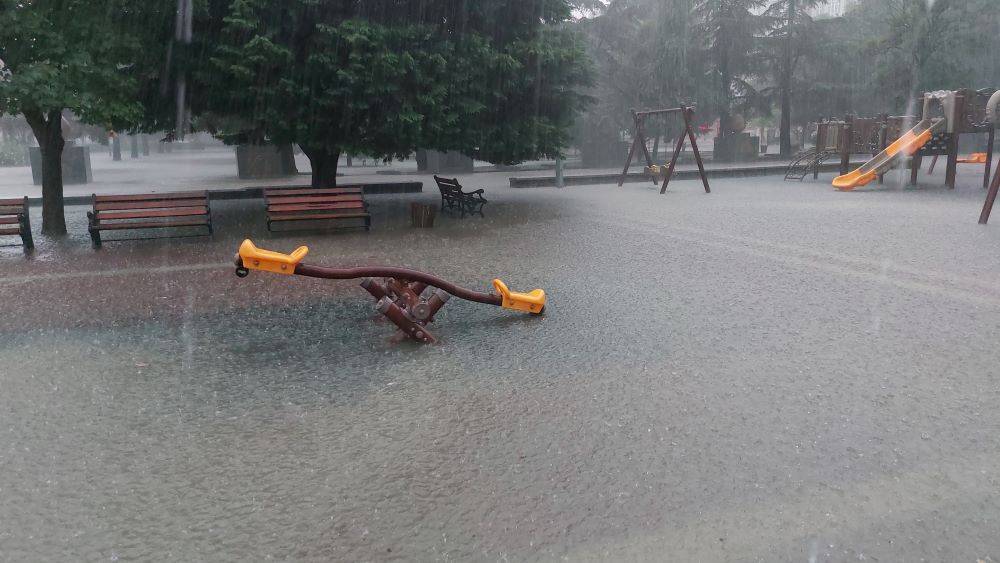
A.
x: 150, y: 225
x: 15, y: 212
x: 152, y: 197
x: 316, y: 204
x: 181, y: 212
x: 312, y: 199
x: 318, y: 216
x: 278, y: 208
x: 311, y: 191
x: 149, y: 211
x: 308, y: 187
x: 111, y: 206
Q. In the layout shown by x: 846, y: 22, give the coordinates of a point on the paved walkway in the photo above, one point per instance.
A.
x: 215, y: 169
x: 775, y: 371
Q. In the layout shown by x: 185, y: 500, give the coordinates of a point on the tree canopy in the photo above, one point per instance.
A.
x: 76, y: 55
x: 496, y: 79
x: 733, y: 55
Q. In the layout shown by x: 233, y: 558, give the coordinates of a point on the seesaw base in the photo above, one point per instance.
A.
x: 404, y: 304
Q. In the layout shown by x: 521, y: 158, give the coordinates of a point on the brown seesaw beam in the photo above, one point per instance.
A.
x: 399, y: 294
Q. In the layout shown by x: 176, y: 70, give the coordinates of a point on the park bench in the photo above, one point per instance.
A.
x: 452, y: 197
x: 14, y: 220
x: 330, y: 205
x: 148, y: 211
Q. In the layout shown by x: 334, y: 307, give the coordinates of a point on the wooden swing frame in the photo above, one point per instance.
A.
x: 639, y: 117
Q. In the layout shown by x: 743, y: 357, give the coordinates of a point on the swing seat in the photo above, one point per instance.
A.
x: 254, y: 258
x: 531, y: 302
x: 657, y: 170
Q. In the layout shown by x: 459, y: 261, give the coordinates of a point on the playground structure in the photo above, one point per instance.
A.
x: 402, y: 294
x: 946, y: 115
x: 993, y: 116
x: 655, y: 171
x: 840, y: 139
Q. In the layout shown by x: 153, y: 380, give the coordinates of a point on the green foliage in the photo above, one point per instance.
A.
x: 493, y: 79
x: 731, y: 30
x: 662, y: 53
x: 928, y: 46
x: 77, y: 55
x: 877, y: 58
x: 73, y: 54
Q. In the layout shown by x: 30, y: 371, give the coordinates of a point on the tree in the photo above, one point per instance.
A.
x: 63, y: 55
x: 791, y: 36
x: 496, y: 80
x: 732, y: 29
x: 648, y: 53
x: 912, y: 46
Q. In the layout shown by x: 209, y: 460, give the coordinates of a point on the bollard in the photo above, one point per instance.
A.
x: 422, y: 215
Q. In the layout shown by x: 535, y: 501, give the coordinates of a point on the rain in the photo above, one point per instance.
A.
x: 625, y: 280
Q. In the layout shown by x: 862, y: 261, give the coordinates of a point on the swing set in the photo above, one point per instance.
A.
x: 659, y: 172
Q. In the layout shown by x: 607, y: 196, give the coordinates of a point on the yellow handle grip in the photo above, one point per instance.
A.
x: 531, y: 302
x: 254, y: 258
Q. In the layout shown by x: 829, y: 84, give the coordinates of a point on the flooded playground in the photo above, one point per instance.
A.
x: 773, y: 371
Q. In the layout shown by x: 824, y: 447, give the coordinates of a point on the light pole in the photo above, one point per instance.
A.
x: 182, y: 34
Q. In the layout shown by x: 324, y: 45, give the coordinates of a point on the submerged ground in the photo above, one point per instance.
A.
x: 774, y: 371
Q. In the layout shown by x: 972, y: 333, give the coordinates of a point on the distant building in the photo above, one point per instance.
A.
x: 833, y: 8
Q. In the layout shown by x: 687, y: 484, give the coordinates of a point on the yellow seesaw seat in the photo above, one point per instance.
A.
x: 531, y: 302
x: 269, y: 261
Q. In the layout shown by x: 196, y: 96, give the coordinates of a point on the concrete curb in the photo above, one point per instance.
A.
x: 257, y: 192
x: 591, y: 179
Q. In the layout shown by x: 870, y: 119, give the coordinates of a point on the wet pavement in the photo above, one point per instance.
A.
x: 774, y: 371
x: 214, y: 169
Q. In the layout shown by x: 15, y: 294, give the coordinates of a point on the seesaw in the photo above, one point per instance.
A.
x: 400, y: 293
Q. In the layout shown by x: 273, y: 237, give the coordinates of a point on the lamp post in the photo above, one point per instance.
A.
x: 182, y: 35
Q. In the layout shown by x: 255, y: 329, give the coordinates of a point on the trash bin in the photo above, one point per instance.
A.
x: 422, y: 215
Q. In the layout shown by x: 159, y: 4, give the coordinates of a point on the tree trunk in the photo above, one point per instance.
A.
x: 48, y: 132
x: 726, y: 83
x: 785, y: 142
x: 287, y: 154
x: 324, y: 166
x: 116, y: 147
x: 134, y: 146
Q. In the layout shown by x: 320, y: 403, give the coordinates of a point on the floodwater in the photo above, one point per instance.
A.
x: 774, y: 371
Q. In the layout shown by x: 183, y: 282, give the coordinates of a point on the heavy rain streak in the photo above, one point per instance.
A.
x: 513, y: 280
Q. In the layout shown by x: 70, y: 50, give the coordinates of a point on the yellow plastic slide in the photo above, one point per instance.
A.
x: 974, y: 158
x: 909, y: 143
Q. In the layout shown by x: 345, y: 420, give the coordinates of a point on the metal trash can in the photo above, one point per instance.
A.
x: 422, y: 215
